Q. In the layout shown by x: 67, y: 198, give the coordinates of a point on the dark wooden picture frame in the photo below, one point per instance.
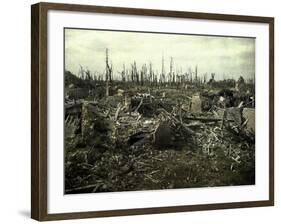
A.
x: 39, y: 202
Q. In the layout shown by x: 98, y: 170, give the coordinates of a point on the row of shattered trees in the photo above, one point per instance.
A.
x: 146, y: 74
x: 151, y: 143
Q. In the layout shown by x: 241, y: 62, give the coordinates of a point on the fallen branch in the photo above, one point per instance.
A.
x: 138, y: 107
x: 84, y: 189
x: 150, y: 178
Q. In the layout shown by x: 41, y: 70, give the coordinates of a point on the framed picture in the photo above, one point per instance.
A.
x: 139, y: 111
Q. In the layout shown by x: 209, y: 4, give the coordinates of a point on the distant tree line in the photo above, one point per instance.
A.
x: 147, y: 75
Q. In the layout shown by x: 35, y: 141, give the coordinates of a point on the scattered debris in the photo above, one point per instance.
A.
x: 156, y: 138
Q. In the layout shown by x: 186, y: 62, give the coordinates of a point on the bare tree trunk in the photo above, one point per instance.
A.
x: 107, y: 89
x: 108, y: 68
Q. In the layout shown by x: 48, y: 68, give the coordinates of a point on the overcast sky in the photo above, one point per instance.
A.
x: 226, y: 56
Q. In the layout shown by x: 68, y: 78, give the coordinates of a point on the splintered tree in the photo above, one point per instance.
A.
x: 212, y: 79
x: 108, y: 73
x: 152, y: 74
x: 81, y: 72
x: 134, y: 73
x: 123, y: 73
x: 88, y: 75
x: 171, y: 74
x: 190, y: 75
x: 108, y: 70
x: 127, y: 75
x: 186, y: 76
x: 162, y: 77
x: 84, y: 74
x: 196, y: 74
x: 205, y: 78
x: 143, y: 74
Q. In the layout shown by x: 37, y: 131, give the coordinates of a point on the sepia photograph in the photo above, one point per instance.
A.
x: 156, y: 111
